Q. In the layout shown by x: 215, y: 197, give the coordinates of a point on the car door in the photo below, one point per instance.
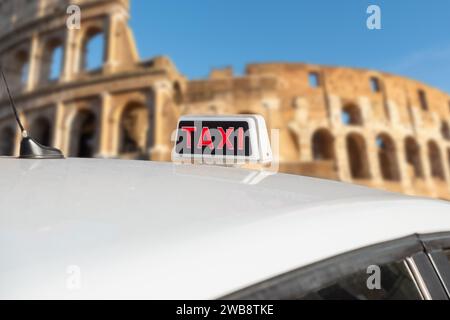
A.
x: 394, y: 270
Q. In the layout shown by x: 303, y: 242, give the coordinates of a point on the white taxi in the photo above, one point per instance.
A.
x: 116, y: 229
x: 112, y: 229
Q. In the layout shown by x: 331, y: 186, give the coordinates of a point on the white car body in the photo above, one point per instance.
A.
x: 152, y: 230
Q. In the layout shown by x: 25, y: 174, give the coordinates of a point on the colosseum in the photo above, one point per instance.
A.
x: 354, y: 125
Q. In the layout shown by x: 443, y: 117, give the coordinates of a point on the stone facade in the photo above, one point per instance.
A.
x: 354, y: 125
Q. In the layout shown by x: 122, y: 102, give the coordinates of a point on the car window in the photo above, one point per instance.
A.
x: 379, y: 271
x: 395, y: 282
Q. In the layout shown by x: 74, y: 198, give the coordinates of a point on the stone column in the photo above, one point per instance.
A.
x: 158, y: 136
x: 393, y: 112
x: 426, y: 167
x: 341, y: 157
x: 445, y: 162
x: 112, y: 49
x: 372, y: 157
x: 18, y: 137
x: 400, y: 154
x: 335, y: 111
x: 105, y: 135
x: 302, y: 128
x: 70, y: 57
x: 60, y: 129
x: 33, y: 69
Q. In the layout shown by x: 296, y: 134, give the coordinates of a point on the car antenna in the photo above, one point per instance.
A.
x: 29, y: 148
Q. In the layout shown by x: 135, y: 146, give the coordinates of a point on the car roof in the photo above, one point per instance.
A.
x: 142, y: 229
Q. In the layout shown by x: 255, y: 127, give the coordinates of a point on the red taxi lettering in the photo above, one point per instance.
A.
x: 205, y: 139
x: 225, y: 138
x: 188, y: 131
x: 241, y: 139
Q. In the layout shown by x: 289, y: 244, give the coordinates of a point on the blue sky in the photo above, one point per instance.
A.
x: 200, y: 34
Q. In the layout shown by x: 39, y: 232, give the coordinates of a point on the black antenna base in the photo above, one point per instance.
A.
x: 30, y: 149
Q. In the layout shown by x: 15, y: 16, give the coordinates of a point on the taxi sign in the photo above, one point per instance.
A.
x: 235, y: 139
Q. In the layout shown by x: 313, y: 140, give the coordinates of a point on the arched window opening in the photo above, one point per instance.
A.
x: 20, y: 69
x: 412, y: 151
x: 314, y: 79
x: 83, y: 133
x: 375, y: 85
x: 93, y: 50
x: 16, y: 69
x: 133, y: 128
x: 323, y: 145
x: 7, y: 139
x: 52, y: 60
x: 41, y: 131
x: 351, y: 115
x: 445, y: 130
x: 434, y: 156
x: 357, y: 156
x: 423, y: 100
x: 56, y: 67
x: 387, y: 158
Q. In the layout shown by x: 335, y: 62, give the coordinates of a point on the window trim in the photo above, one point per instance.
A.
x: 435, y: 244
x: 426, y: 277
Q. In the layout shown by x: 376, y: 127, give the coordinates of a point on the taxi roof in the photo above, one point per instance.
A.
x: 153, y: 230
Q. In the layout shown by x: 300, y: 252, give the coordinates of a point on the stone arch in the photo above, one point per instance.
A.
x: 387, y: 157
x: 93, y: 37
x: 412, y: 154
x: 41, y: 131
x: 133, y: 126
x: 83, y: 134
x: 7, y: 141
x: 351, y: 115
x: 322, y: 145
x: 357, y: 156
x: 435, y: 159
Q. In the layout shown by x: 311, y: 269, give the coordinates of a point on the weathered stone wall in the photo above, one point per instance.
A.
x: 354, y: 125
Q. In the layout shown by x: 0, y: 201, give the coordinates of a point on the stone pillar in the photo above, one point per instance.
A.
x: 60, y: 129
x: 445, y: 162
x: 158, y: 136
x: 106, y: 133
x: 112, y: 49
x: 426, y: 167
x: 405, y: 178
x: 393, y: 112
x: 18, y: 137
x: 110, y: 44
x: 372, y: 157
x: 366, y: 111
x: 70, y: 57
x: 272, y: 107
x: 302, y: 128
x: 335, y: 111
x: 341, y: 157
x: 33, y: 69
